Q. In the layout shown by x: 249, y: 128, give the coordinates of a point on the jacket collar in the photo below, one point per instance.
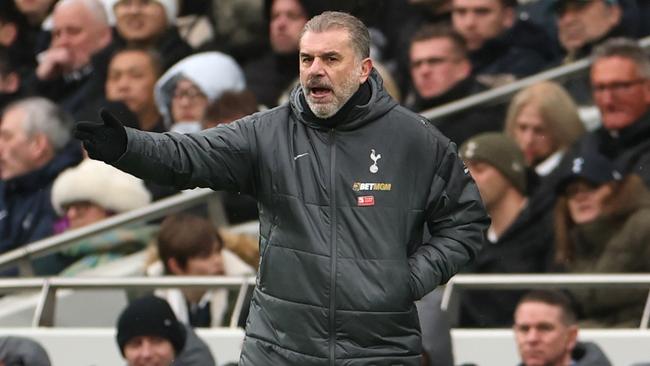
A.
x: 354, y: 116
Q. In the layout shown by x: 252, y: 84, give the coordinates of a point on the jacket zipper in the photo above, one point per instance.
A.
x: 332, y: 306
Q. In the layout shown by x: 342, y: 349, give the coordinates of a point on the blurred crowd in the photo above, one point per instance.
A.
x: 567, y: 192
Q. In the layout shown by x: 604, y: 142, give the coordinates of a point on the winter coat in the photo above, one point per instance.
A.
x: 195, y: 352
x: 617, y: 242
x: 170, y: 45
x: 525, y: 247
x: 461, y: 126
x: 342, y: 215
x: 630, y: 150
x: 519, y: 51
x: 26, y: 212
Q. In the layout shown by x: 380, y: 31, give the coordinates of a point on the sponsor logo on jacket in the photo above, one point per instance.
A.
x: 360, y: 186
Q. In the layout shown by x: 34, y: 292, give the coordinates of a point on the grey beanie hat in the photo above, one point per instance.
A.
x: 500, y: 151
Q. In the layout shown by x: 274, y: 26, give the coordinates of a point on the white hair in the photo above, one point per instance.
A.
x: 95, y: 7
x: 43, y: 116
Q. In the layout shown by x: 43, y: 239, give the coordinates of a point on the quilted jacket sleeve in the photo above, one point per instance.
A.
x: 456, y: 220
x: 220, y: 158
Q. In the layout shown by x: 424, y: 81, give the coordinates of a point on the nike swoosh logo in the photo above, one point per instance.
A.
x: 300, y: 156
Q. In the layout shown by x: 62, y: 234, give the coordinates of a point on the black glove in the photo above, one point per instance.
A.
x: 104, y: 141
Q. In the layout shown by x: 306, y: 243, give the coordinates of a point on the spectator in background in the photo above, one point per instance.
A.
x: 584, y: 23
x: 72, y: 71
x: 546, y: 333
x: 620, y: 79
x: 602, y: 225
x: 442, y: 73
x: 93, y: 191
x: 148, y: 334
x: 35, y: 147
x: 269, y: 76
x: 501, y: 47
x: 35, y: 10
x: 150, y: 24
x: 543, y: 120
x: 20, y: 351
x: 14, y: 36
x: 189, y: 245
x: 184, y: 92
x: 10, y: 88
x: 132, y: 75
x: 521, y: 234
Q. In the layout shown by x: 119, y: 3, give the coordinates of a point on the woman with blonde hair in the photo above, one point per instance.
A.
x: 544, y: 122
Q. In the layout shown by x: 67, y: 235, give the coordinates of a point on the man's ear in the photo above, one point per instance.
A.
x: 174, y: 267
x: 366, y: 68
x: 572, y: 338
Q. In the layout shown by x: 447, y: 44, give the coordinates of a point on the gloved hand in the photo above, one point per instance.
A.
x: 104, y: 141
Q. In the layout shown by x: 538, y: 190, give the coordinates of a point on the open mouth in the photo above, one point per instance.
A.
x: 320, y: 92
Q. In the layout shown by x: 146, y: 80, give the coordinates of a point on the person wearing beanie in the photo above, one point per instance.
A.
x: 148, y: 334
x: 91, y: 192
x: 520, y: 236
x: 149, y: 24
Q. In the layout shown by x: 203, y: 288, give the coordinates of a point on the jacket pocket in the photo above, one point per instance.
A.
x: 264, y: 253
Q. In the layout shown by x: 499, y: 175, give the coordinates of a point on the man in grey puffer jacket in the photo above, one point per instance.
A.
x: 348, y: 184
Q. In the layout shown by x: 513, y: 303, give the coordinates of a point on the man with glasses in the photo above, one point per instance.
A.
x: 620, y: 81
x: 441, y: 73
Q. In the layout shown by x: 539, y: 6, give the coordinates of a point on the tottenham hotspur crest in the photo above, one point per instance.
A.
x: 374, y: 168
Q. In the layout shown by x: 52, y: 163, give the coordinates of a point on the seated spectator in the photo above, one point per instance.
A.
x: 501, y: 47
x: 189, y: 245
x: 546, y: 333
x: 520, y: 236
x: 150, y: 24
x: 10, y: 78
x: 148, y: 334
x: 544, y: 122
x: 37, y: 16
x: 132, y: 74
x: 269, y: 76
x: 71, y: 72
x: 35, y: 147
x: 19, y: 351
x: 583, y: 24
x: 442, y: 73
x: 14, y: 36
x: 620, y: 79
x: 184, y: 92
x: 93, y: 191
x: 602, y: 225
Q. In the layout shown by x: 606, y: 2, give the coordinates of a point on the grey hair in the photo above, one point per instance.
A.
x: 94, y: 7
x: 43, y: 116
x: 357, y: 31
x: 625, y: 48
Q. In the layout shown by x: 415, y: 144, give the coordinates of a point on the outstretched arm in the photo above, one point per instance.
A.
x: 457, y: 222
x: 218, y: 158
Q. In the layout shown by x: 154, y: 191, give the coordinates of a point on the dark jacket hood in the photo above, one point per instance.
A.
x: 378, y: 105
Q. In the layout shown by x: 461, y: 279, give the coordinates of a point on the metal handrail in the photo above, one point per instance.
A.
x: 540, y: 281
x: 503, y: 92
x: 22, y: 256
x: 48, y: 286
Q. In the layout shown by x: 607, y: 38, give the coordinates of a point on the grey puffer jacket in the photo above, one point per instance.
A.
x: 342, y: 215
